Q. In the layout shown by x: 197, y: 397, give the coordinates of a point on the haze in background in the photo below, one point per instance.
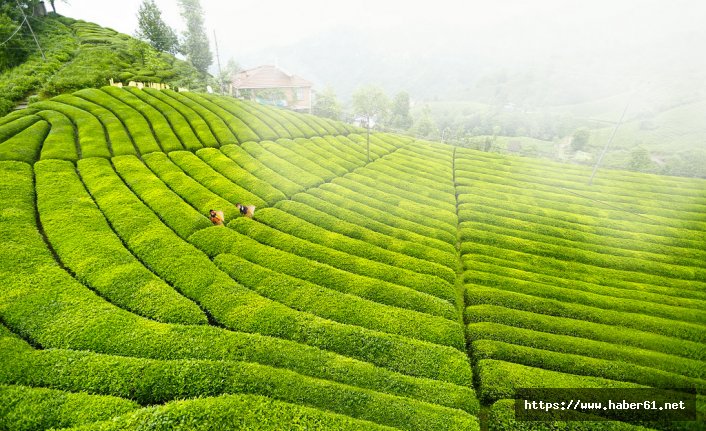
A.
x: 588, y: 58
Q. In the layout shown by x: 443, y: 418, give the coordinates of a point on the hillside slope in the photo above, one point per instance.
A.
x: 81, y: 54
x: 400, y: 292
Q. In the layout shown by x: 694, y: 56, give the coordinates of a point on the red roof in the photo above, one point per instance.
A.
x: 268, y: 77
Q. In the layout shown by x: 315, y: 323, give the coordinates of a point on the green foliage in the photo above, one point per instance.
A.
x: 258, y: 169
x: 326, y: 105
x: 580, y: 138
x: 25, y: 408
x: 218, y: 241
x: 152, y: 28
x: 640, y: 160
x: 60, y: 143
x: 26, y: 145
x: 109, y: 269
x: 400, y: 117
x: 195, y: 44
x: 371, y: 105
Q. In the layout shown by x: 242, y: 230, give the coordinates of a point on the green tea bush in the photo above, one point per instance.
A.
x: 110, y: 269
x: 307, y: 127
x: 321, y: 163
x: 589, y: 298
x: 158, y: 123
x: 332, y: 145
x: 262, y: 130
x: 340, y: 307
x: 217, y: 126
x: 335, y: 217
x: 472, y: 234
x: 91, y: 135
x: 199, y: 127
x: 137, y: 127
x: 215, y: 241
x: 238, y: 308
x: 259, y: 170
x: 178, y: 124
x: 582, y: 329
x: 395, y: 212
x: 416, y: 208
x: 169, y: 207
x: 313, y: 233
x: 25, y: 409
x: 212, y: 180
x: 150, y: 381
x: 581, y: 365
x: 17, y: 125
x: 220, y: 163
x: 187, y: 188
x: 367, y: 267
x: 282, y: 166
x: 586, y: 347
x: 238, y: 127
x: 27, y: 144
x: 319, y: 150
x: 274, y: 118
x: 256, y: 413
x: 499, y: 379
x: 60, y: 143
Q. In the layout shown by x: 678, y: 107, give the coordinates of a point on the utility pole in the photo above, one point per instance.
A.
x: 218, y: 61
x: 30, y: 29
x: 610, y: 141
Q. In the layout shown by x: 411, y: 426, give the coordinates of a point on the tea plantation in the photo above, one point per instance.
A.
x: 416, y: 290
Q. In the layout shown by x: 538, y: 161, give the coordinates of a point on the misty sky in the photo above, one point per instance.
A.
x: 529, y: 29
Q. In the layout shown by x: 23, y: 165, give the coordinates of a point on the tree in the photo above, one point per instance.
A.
x: 400, y: 111
x: 580, y: 139
x: 425, y: 126
x: 370, y: 104
x: 640, y: 159
x: 226, y: 76
x: 151, y: 28
x: 326, y: 105
x: 195, y: 45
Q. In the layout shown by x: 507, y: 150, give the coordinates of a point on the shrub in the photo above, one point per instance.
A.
x: 318, y: 150
x: 299, y: 158
x: 259, y: 170
x: 17, y: 125
x: 586, y: 347
x: 304, y: 124
x: 240, y: 129
x: 284, y: 167
x: 158, y: 123
x: 109, y: 268
x: 220, y: 163
x: 27, y: 408
x: 215, y: 241
x: 217, y: 126
x: 499, y: 380
x: 26, y: 145
x: 341, y: 217
x: 60, y: 142
x: 170, y: 207
x: 572, y: 296
x: 347, y: 157
x: 313, y: 232
x: 340, y: 307
x: 582, y: 329
x: 356, y: 197
x: 177, y: 122
x: 238, y: 308
x: 581, y: 365
x: 258, y: 126
x: 187, y: 188
x: 274, y: 119
x: 212, y: 180
x: 134, y: 123
x: 197, y: 124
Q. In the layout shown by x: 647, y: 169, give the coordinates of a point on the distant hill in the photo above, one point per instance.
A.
x: 81, y: 54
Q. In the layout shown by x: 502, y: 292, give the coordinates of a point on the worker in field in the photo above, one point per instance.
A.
x: 216, y: 217
x: 246, y: 211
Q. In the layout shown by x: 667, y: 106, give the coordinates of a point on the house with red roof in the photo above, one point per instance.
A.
x: 273, y: 86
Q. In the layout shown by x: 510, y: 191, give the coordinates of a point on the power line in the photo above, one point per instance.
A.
x: 13, y: 34
x: 30, y: 29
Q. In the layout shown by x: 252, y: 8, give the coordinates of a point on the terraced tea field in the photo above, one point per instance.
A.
x: 414, y: 291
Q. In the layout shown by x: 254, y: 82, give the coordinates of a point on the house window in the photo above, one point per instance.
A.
x: 300, y: 94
